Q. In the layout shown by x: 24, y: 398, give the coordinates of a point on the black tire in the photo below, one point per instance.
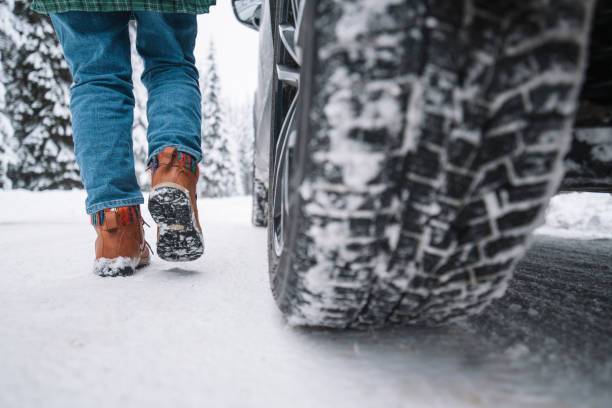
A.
x: 259, y: 212
x: 430, y: 139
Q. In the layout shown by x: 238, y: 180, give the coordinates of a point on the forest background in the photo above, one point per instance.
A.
x: 36, y: 147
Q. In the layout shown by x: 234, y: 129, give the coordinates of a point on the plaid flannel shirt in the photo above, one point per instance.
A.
x: 163, y: 6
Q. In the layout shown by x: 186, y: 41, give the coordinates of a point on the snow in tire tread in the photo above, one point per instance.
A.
x: 427, y: 175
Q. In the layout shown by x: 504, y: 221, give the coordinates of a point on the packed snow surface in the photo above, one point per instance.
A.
x: 207, y: 333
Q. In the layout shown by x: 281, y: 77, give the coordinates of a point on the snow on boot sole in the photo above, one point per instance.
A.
x: 179, y: 238
x: 121, y: 266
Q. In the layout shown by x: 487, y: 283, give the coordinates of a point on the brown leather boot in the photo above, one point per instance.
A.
x: 172, y: 204
x: 120, y: 246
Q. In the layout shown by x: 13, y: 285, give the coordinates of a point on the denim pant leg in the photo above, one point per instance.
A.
x: 166, y: 42
x: 97, y: 50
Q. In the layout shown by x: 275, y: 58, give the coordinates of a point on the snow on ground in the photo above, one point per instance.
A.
x: 571, y: 215
x: 579, y: 216
x: 207, y: 333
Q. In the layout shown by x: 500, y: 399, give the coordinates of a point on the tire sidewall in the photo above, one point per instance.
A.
x: 280, y: 267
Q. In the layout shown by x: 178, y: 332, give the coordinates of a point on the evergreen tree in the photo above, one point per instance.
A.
x: 10, y: 30
x: 37, y: 102
x: 139, y: 128
x: 7, y: 148
x: 217, y: 169
x: 9, y: 38
x: 7, y: 153
x: 240, y: 129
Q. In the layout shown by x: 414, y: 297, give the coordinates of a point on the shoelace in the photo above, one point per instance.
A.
x: 149, y: 246
x: 146, y: 242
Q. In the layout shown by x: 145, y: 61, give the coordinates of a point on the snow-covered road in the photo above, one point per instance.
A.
x: 207, y: 333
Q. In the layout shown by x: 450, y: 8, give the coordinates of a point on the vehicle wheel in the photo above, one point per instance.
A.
x: 259, y: 212
x: 415, y: 146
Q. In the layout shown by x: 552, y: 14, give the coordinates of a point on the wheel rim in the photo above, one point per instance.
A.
x: 287, y: 68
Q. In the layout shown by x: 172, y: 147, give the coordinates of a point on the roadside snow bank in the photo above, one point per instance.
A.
x: 569, y: 215
x: 579, y: 215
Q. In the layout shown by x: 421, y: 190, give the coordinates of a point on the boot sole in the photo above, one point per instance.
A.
x: 179, y: 237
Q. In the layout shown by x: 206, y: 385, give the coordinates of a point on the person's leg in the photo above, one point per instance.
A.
x: 166, y: 42
x: 96, y: 47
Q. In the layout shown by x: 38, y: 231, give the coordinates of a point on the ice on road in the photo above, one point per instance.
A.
x: 208, y: 334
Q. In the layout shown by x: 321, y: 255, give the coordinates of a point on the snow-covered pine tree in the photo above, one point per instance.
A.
x: 240, y: 129
x: 7, y: 141
x: 9, y: 37
x: 37, y: 102
x: 139, y: 128
x: 217, y: 170
x: 245, y: 163
x: 7, y: 148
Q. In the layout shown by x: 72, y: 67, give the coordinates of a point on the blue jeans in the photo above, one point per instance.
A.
x: 97, y: 50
